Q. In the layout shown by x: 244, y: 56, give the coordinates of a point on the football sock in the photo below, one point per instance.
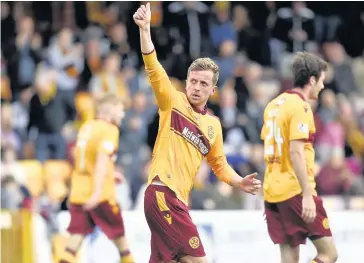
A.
x: 68, y: 256
x: 316, y: 260
x: 126, y: 257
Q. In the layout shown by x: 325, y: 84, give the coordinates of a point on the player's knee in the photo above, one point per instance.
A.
x: 74, y: 242
x: 330, y: 255
x: 333, y: 255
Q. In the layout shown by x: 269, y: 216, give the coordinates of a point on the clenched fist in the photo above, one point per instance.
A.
x: 142, y: 16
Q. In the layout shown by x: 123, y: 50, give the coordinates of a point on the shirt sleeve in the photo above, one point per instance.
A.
x: 158, y: 78
x: 299, y: 127
x: 263, y: 132
x: 217, y: 160
x: 109, y: 141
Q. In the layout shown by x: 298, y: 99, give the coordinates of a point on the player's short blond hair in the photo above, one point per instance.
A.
x: 110, y: 98
x: 202, y: 64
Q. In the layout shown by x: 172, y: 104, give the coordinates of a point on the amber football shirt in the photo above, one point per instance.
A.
x: 185, y: 136
x: 287, y: 117
x: 94, y: 136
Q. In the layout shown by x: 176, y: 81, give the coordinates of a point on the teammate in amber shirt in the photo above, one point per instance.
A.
x: 293, y: 209
x: 188, y: 133
x: 92, y: 198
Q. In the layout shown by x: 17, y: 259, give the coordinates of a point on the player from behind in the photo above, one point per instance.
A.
x: 92, y: 198
x: 187, y: 134
x: 293, y: 209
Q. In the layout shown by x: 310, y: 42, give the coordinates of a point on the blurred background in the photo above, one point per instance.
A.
x: 58, y: 57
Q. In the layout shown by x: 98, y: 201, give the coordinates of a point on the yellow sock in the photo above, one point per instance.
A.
x: 126, y: 257
x: 68, y: 256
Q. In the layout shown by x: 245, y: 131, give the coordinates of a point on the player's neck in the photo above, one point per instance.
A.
x: 303, y: 92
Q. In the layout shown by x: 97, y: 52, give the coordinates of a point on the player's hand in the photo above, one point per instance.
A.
x: 92, y: 202
x: 250, y: 184
x: 308, y: 209
x: 143, y: 16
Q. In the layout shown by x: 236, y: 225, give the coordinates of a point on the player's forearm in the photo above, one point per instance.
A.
x: 100, y: 172
x: 223, y: 170
x: 146, y: 43
x: 300, y: 169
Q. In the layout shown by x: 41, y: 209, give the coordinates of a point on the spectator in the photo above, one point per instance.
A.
x: 20, y: 111
x: 6, y: 94
x: 336, y: 179
x: 222, y: 28
x: 23, y: 55
x: 93, y: 62
x: 119, y: 44
x: 343, y: 74
x: 110, y: 79
x: 250, y: 41
x: 254, y: 111
x: 328, y: 109
x: 133, y: 133
x: 9, y: 165
x: 14, y: 195
x: 48, y: 114
x: 67, y: 59
x: 139, y: 201
x: 226, y: 60
x: 9, y: 138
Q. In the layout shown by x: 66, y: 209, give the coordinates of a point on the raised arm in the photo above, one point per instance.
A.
x: 158, y: 78
x: 217, y: 160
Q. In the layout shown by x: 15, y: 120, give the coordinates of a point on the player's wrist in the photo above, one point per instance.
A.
x: 307, y: 193
x: 145, y: 29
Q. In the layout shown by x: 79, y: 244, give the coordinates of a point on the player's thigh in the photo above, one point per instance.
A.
x: 81, y: 222
x: 325, y: 247
x: 190, y: 259
x: 289, y: 254
x: 107, y: 216
x: 173, y: 233
x: 320, y: 227
x: 296, y: 228
x: 275, y: 226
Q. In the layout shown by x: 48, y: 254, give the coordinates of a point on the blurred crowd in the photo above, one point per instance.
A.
x: 58, y: 57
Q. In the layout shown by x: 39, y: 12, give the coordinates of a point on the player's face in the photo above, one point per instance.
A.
x: 317, y: 86
x: 199, y: 87
x: 118, y: 113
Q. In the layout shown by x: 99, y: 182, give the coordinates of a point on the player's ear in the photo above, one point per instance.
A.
x: 312, y: 80
x: 214, y: 88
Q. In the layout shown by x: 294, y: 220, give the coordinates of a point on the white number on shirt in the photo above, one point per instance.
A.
x: 274, y: 132
x: 83, y: 137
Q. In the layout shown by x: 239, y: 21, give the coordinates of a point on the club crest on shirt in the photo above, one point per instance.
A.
x: 211, y: 132
x: 194, y: 242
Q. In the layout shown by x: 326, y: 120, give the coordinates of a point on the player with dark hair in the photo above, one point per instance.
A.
x: 293, y: 209
x: 187, y: 134
x: 93, y: 198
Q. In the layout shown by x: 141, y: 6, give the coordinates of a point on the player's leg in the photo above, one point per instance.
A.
x: 123, y: 247
x: 173, y: 233
x: 74, y: 243
x: 277, y: 233
x: 321, y: 237
x: 190, y: 259
x: 298, y: 230
x: 80, y: 225
x: 107, y: 216
x: 326, y: 250
x: 289, y: 254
